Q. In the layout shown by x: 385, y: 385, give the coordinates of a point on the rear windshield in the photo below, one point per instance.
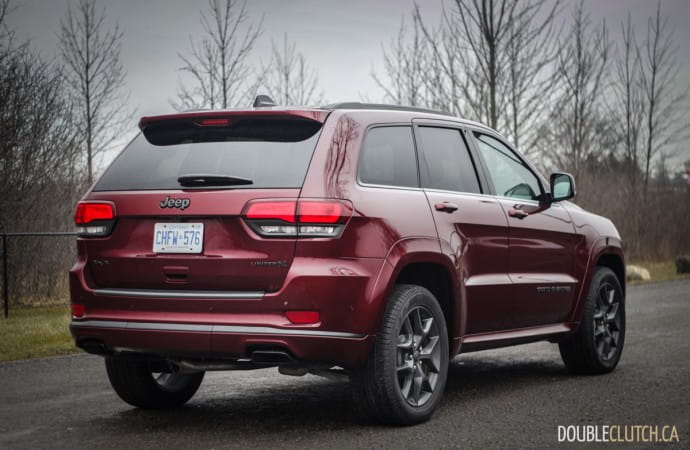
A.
x: 268, y: 164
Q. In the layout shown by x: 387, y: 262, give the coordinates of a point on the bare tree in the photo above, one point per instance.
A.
x: 4, y: 11
x: 40, y: 172
x: 415, y: 73
x: 40, y: 168
x: 577, y: 124
x: 664, y: 104
x: 531, y: 49
x: 627, y: 102
x: 37, y: 139
x: 486, y: 59
x: 219, y: 64
x: 95, y: 76
x: 404, y: 66
x: 288, y: 78
x: 502, y: 48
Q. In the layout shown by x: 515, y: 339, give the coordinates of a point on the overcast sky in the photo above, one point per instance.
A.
x: 340, y: 39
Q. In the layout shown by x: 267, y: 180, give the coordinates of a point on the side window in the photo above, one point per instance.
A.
x: 388, y: 157
x: 445, y: 161
x: 510, y: 176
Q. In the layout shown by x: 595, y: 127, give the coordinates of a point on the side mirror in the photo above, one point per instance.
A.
x: 562, y: 186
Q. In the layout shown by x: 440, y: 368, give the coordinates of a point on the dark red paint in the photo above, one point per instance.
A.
x: 491, y: 252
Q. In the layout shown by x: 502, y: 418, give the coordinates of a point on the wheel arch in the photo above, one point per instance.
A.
x: 437, y: 280
x: 606, y: 252
x: 614, y: 262
x: 420, y: 262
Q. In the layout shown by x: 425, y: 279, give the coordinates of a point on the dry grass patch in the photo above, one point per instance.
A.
x: 31, y: 333
x: 660, y: 271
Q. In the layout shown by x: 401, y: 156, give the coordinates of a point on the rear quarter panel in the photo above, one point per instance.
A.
x: 393, y: 226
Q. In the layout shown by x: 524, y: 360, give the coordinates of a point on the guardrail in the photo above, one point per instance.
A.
x: 5, y: 257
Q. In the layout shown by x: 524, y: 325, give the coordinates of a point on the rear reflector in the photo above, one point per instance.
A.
x: 302, y: 317
x: 94, y: 218
x: 78, y: 311
x: 298, y: 218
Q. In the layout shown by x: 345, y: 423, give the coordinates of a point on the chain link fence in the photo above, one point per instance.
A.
x: 35, y: 268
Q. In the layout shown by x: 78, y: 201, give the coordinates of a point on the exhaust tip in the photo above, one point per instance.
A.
x: 272, y: 357
x: 92, y: 346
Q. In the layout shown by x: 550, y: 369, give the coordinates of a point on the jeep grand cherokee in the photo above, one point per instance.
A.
x: 370, y: 241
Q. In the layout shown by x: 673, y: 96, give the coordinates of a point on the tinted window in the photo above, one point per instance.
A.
x: 388, y: 157
x: 510, y: 176
x: 445, y: 161
x: 142, y: 165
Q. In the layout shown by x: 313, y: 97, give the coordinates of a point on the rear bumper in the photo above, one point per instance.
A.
x: 175, y: 340
x: 213, y: 324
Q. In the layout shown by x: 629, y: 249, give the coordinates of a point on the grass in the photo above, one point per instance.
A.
x: 32, y: 333
x: 660, y: 271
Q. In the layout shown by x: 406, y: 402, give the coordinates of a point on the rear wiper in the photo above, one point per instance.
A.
x: 207, y: 179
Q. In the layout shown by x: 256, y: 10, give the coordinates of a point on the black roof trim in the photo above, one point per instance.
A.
x: 381, y: 106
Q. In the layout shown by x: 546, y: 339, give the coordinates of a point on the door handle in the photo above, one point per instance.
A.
x: 518, y: 213
x: 446, y: 207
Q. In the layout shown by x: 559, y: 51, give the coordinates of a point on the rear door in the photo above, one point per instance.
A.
x: 472, y: 227
x: 542, y: 240
x: 189, y: 234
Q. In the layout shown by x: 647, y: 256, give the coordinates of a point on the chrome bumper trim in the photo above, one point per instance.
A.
x: 204, y: 328
x: 157, y: 293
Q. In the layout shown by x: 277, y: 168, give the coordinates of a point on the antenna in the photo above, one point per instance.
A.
x: 263, y: 101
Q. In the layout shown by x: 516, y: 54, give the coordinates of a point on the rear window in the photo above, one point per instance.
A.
x: 388, y: 157
x: 267, y: 161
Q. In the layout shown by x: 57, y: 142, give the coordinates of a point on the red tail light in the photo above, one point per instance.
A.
x: 298, y: 218
x: 278, y: 210
x: 322, y: 211
x: 302, y: 317
x: 94, y: 218
x: 88, y: 212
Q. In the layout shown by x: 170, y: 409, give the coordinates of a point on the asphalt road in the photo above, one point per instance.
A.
x: 508, y: 398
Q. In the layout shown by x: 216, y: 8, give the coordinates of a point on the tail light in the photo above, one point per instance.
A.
x: 298, y: 218
x: 94, y: 218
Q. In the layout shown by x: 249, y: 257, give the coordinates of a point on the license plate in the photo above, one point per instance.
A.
x: 178, y: 237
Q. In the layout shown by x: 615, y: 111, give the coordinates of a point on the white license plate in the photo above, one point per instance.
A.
x: 178, y: 237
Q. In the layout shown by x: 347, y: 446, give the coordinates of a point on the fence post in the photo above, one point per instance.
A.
x: 5, y: 278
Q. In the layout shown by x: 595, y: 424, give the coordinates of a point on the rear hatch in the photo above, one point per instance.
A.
x: 179, y: 190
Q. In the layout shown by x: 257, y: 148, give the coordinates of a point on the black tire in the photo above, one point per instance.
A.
x: 596, y: 346
x: 403, y: 380
x: 136, y: 383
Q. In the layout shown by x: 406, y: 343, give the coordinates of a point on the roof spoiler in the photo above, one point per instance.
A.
x: 234, y: 125
x: 220, y: 118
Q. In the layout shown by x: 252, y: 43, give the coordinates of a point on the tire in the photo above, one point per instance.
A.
x: 596, y: 346
x: 404, y: 377
x: 137, y: 384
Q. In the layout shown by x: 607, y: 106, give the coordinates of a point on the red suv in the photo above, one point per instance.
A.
x: 371, y: 241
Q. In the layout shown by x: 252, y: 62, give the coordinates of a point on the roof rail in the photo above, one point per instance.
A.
x: 358, y: 105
